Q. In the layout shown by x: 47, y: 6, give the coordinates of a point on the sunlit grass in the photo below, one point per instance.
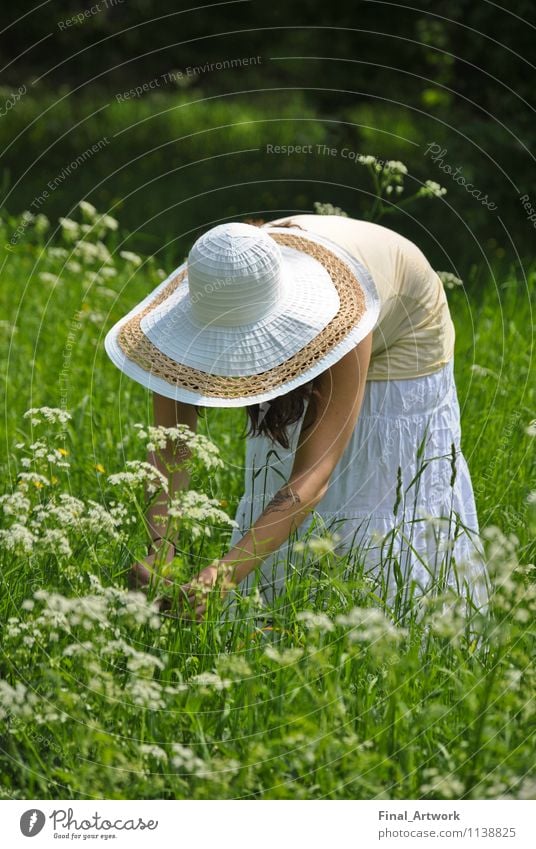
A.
x: 334, y: 692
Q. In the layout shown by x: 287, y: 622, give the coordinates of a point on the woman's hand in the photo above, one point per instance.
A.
x: 217, y: 576
x: 147, y: 570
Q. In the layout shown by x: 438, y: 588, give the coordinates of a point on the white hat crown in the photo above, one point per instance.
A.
x: 234, y: 275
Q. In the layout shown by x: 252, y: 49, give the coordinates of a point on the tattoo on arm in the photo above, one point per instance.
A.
x: 282, y: 500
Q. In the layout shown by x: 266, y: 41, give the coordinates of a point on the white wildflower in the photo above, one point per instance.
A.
x: 480, y: 371
x: 70, y: 228
x: 185, y: 759
x: 52, y: 415
x: 16, y: 701
x: 41, y: 223
x: 449, y: 280
x: 57, y: 253
x: 99, y: 520
x: 26, y: 478
x: 53, y: 539
x: 92, y: 252
x: 105, y: 292
x: 17, y: 538
x: 140, y: 473
x: 202, y: 448
x: 146, y: 693
x: 284, y: 657
x: 88, y: 210
x: 368, y: 624
x: 141, y: 661
x: 211, y: 681
x: 315, y: 621
x: 431, y: 189
x: 234, y: 665
x: 530, y: 430
x: 198, y: 507
x: 135, y: 606
x: 396, y: 167
x: 366, y: 159
x: 47, y: 277
x: 329, y: 209
x: 108, y: 271
x: 319, y: 546
x: 73, y: 266
x: 94, y: 316
x: 149, y: 750
x: 15, y: 504
x: 133, y: 258
x: 109, y: 222
x: 444, y: 783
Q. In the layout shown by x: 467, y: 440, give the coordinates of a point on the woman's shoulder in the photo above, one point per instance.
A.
x: 333, y: 226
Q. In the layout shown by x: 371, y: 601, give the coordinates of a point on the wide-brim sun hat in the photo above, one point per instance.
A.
x: 252, y: 314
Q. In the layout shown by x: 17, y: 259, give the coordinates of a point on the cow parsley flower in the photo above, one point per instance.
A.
x: 70, y: 228
x: 200, y: 510
x: 431, y: 189
x: 133, y: 258
x: 140, y: 473
x: 315, y: 621
x: 150, y: 750
x: 449, y: 280
x: 88, y: 210
x: 396, y: 167
x: 18, y: 538
x: 50, y: 415
x: 211, y: 681
x: 284, y: 657
x: 186, y: 760
x: 15, y: 504
x: 368, y: 624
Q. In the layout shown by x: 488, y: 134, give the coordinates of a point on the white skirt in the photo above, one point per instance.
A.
x: 377, y: 504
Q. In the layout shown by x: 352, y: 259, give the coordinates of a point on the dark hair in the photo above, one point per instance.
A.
x: 282, y: 412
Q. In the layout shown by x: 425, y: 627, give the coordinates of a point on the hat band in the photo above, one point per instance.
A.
x: 352, y: 307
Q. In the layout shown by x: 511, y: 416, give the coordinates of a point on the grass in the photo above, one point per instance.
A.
x: 101, y: 698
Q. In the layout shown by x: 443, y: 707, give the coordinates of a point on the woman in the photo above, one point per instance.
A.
x: 335, y: 335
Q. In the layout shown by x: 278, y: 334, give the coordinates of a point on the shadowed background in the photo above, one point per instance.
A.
x: 217, y: 83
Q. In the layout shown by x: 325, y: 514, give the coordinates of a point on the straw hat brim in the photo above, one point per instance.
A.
x: 329, y: 303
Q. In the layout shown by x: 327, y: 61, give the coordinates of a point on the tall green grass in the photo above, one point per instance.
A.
x: 338, y: 697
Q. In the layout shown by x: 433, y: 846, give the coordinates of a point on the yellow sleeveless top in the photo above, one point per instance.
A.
x: 414, y: 334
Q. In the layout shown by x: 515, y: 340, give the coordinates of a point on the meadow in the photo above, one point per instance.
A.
x: 342, y: 697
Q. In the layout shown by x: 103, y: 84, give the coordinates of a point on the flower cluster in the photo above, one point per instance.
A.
x: 183, y: 438
x: 449, y: 280
x: 431, y: 189
x: 197, y: 512
x: 140, y: 473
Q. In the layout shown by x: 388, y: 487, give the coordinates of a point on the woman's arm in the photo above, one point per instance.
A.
x: 168, y: 413
x: 319, y: 449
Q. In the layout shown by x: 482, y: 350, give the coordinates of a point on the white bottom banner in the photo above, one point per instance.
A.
x: 234, y: 824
